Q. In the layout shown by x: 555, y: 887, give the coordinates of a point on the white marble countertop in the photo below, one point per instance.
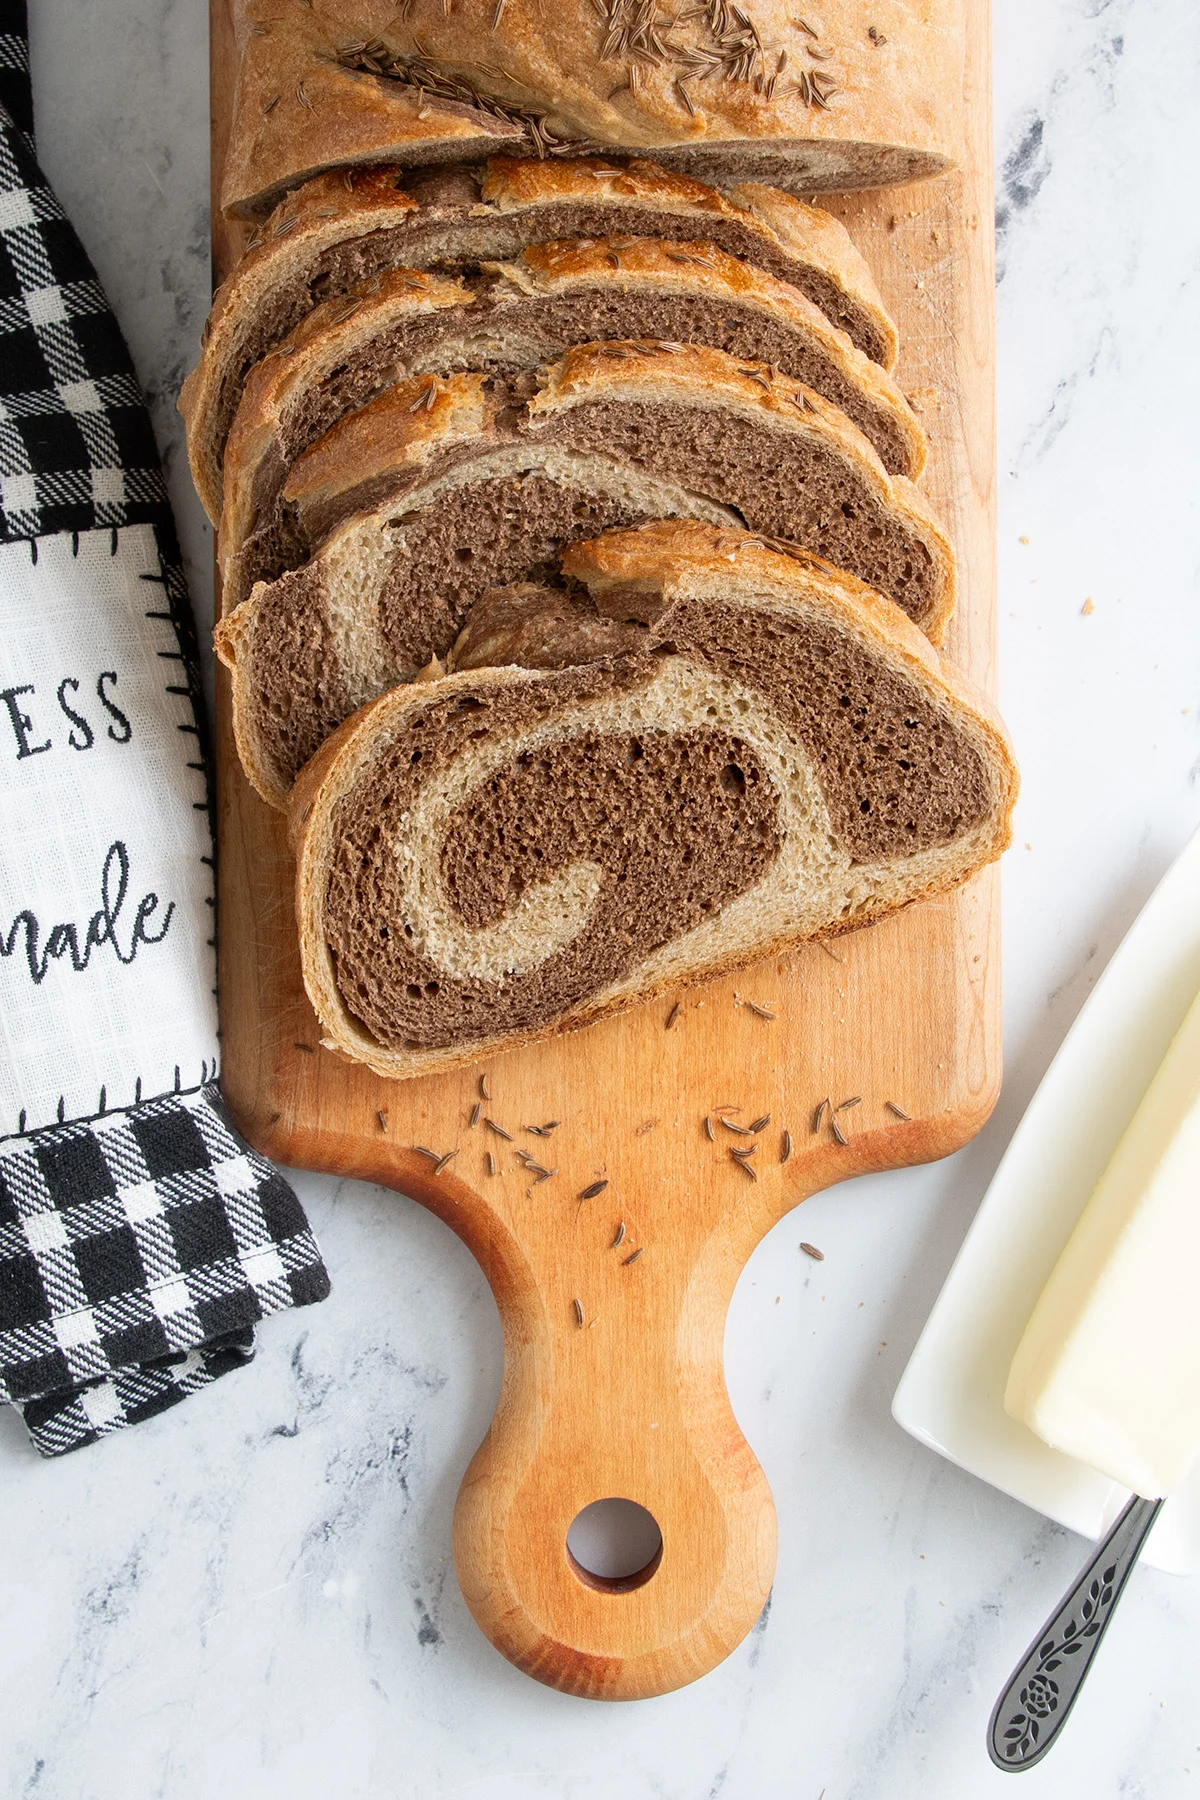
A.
x: 253, y: 1596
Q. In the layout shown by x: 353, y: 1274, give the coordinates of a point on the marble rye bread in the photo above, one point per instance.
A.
x: 502, y: 853
x: 792, y: 464
x: 439, y: 491
x: 851, y: 97
x: 387, y: 594
x: 517, y: 316
x: 340, y: 230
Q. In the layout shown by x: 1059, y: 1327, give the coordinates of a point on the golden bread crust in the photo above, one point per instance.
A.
x: 325, y: 213
x: 401, y: 431
x: 325, y: 338
x: 671, y: 556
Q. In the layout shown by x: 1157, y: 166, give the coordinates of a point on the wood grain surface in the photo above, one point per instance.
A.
x: 632, y: 1402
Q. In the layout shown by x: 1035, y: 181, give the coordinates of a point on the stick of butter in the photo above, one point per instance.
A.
x: 1109, y: 1367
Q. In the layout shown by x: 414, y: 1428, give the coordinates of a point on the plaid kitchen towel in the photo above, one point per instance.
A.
x: 140, y: 1238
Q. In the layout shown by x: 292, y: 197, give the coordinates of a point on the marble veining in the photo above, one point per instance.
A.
x: 254, y: 1596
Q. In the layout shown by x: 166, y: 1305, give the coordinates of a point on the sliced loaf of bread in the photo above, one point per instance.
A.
x: 500, y: 854
x: 339, y: 230
x: 442, y: 489
x: 522, y: 314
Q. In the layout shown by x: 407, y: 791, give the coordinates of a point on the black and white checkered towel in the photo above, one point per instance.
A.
x: 140, y: 1238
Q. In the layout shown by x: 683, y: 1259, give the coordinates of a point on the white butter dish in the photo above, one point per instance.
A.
x: 951, y: 1395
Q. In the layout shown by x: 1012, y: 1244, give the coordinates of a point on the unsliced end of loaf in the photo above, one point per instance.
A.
x: 331, y: 83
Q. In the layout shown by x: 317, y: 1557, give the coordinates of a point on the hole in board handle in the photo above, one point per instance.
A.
x: 614, y: 1545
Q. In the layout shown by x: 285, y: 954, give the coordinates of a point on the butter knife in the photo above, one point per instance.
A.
x: 1045, y: 1684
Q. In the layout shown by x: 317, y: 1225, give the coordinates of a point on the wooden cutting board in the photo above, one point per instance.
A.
x: 631, y: 1402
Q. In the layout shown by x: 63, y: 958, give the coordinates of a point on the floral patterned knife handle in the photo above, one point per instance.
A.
x: 1031, y: 1711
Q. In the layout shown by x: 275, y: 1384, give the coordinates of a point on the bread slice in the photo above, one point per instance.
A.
x: 388, y: 593
x: 847, y: 99
x: 442, y: 489
x: 793, y: 465
x: 341, y: 229
x: 792, y: 239
x: 502, y: 854
x: 520, y: 315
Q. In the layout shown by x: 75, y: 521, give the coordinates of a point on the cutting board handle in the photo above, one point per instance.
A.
x: 628, y: 1404
x: 613, y: 1292
x: 613, y: 1266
